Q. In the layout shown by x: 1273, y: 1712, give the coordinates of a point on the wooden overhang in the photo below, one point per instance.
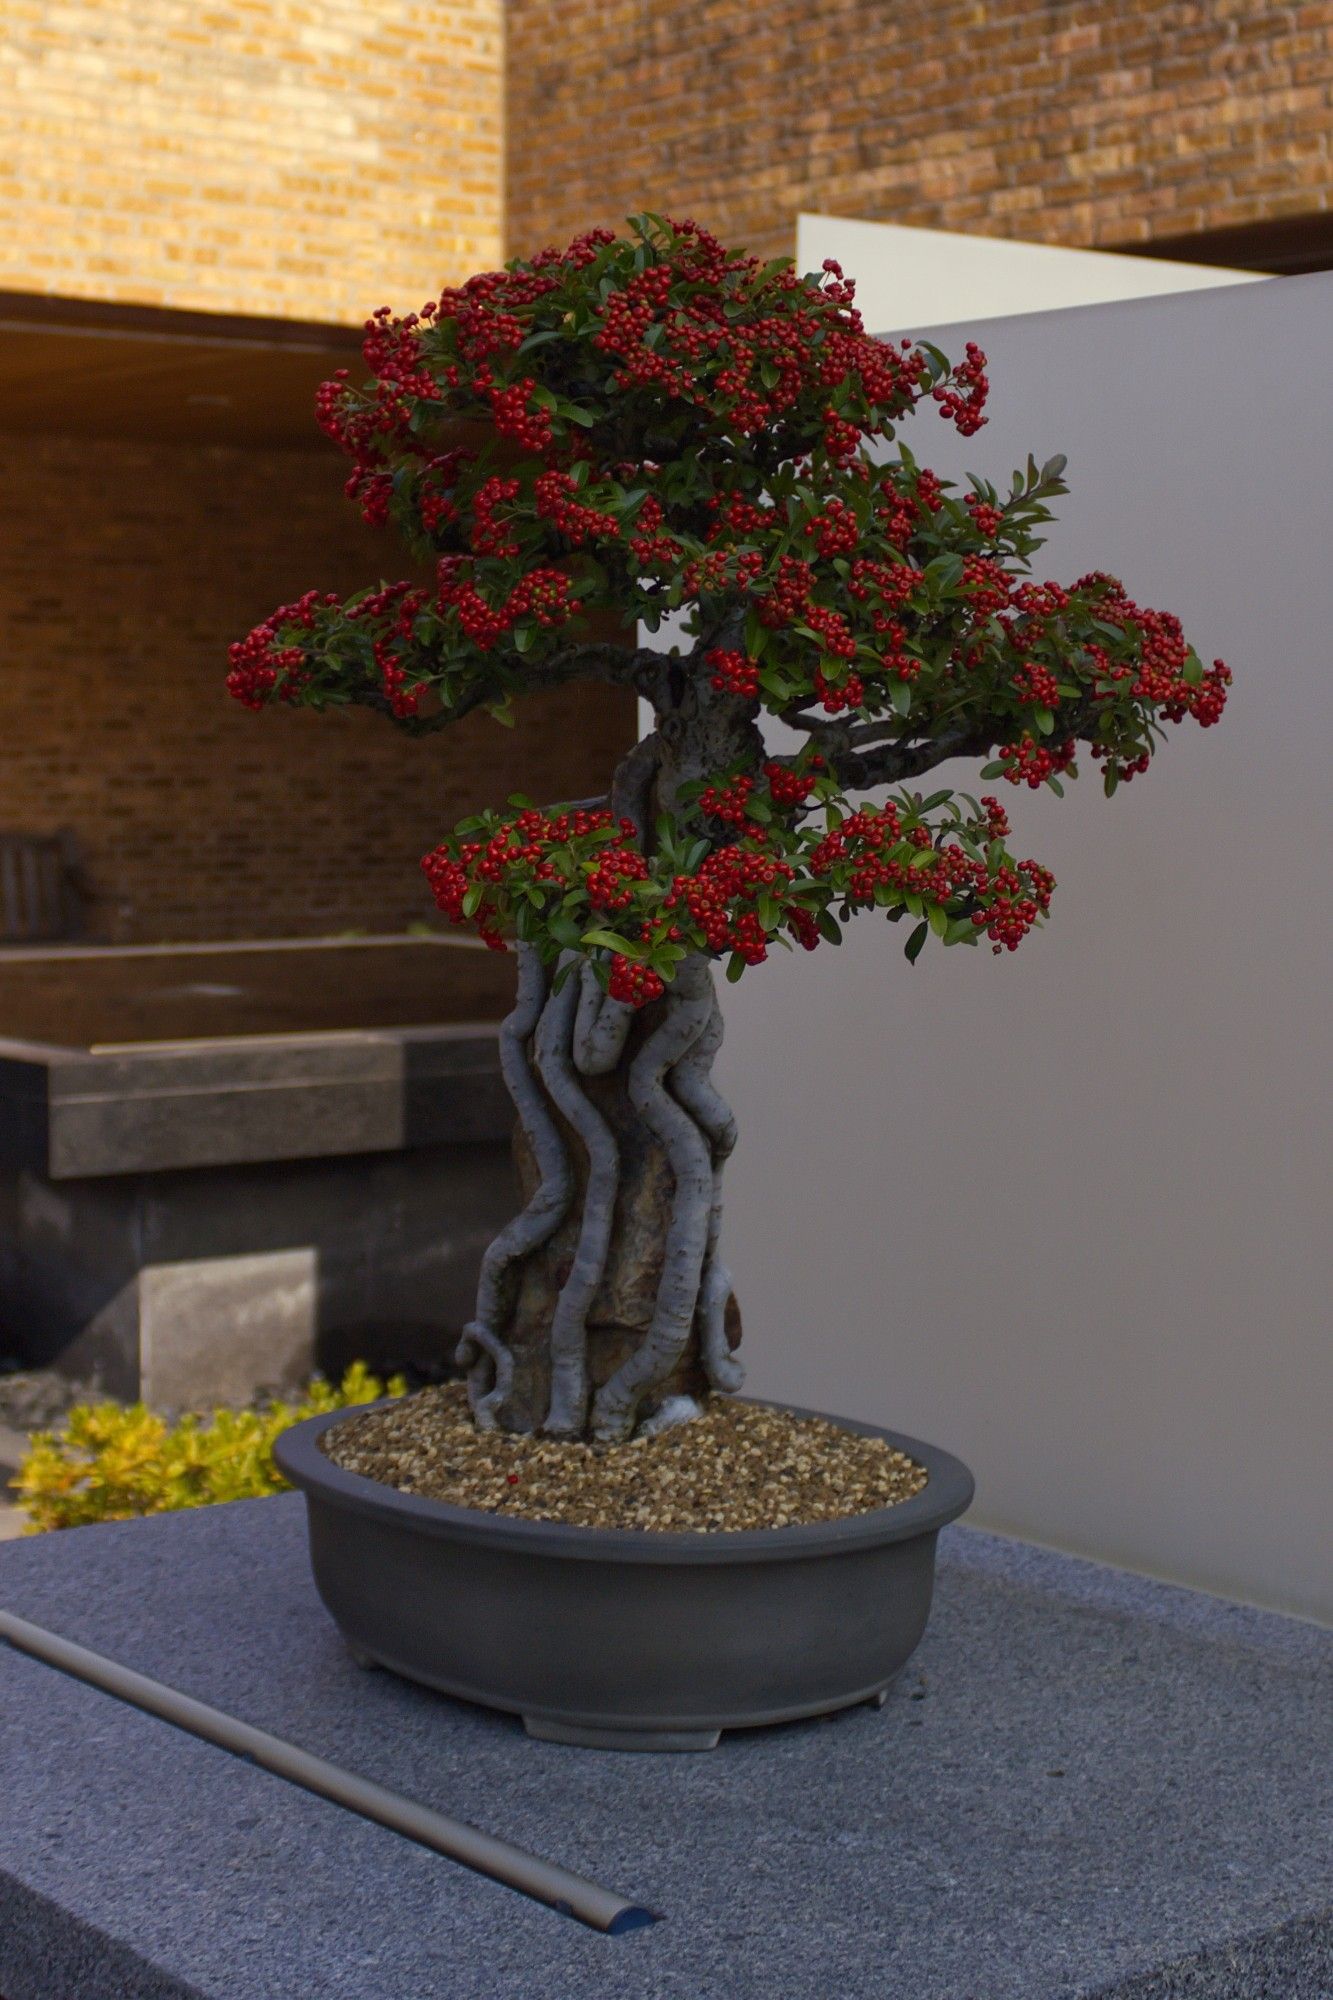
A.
x: 154, y: 374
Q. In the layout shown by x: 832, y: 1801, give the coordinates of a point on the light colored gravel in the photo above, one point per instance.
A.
x: 737, y: 1466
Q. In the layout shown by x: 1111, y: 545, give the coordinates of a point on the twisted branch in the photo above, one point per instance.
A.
x: 691, y: 1084
x: 553, y: 1049
x: 689, y: 1006
x: 600, y: 1026
x: 481, y: 1349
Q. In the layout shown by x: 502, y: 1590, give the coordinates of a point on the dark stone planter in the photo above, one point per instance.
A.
x: 625, y: 1640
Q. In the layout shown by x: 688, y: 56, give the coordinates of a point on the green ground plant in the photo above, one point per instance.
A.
x: 110, y: 1462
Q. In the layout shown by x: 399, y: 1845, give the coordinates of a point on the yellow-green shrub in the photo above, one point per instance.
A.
x: 108, y: 1462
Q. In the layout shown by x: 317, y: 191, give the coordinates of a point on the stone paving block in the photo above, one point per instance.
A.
x: 1084, y: 1784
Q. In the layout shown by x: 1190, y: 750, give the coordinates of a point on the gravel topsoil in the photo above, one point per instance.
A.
x: 736, y: 1466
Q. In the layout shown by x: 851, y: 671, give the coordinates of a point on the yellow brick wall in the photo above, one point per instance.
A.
x: 1112, y: 121
x: 125, y: 570
x: 306, y: 159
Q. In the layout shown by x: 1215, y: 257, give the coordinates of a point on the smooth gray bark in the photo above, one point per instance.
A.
x: 481, y: 1349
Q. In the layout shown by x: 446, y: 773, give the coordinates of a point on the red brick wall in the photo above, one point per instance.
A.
x: 1098, y: 123
x: 124, y: 572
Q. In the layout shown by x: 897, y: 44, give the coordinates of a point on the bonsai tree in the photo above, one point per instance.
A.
x: 596, y: 438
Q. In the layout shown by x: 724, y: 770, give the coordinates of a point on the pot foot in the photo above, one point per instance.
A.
x: 588, y: 1737
x: 361, y: 1658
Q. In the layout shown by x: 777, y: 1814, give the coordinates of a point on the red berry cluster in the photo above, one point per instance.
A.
x: 263, y: 667
x: 989, y: 520
x: 1032, y: 763
x: 729, y: 802
x: 787, y: 787
x: 733, y: 673
x: 633, y: 982
x: 965, y: 401
x: 1037, y: 684
x: 718, y: 898
x: 571, y: 518
x: 512, y: 412
x: 490, y: 538
x: 835, y: 531
x: 850, y: 692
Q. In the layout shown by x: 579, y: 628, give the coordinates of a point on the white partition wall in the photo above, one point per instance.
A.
x: 1068, y: 1211
x: 906, y: 275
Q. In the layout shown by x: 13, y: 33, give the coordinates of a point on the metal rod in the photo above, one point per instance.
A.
x: 572, y: 1895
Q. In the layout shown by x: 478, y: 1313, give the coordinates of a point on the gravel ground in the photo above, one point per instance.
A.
x: 737, y: 1466
x: 34, y: 1399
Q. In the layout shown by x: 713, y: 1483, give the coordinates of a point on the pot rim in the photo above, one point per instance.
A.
x: 947, y: 1493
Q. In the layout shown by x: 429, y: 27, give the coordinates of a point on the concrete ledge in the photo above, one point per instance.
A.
x: 69, y: 1114
x: 1086, y: 1784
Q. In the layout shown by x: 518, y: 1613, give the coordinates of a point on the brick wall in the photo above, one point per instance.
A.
x: 124, y: 571
x: 1110, y: 121
x: 300, y: 158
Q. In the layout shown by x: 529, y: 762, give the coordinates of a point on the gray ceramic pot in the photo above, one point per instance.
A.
x: 625, y: 1640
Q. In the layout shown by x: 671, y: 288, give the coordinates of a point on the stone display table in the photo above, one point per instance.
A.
x: 1083, y: 1784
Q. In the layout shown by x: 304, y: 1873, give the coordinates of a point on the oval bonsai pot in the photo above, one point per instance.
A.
x: 625, y: 1639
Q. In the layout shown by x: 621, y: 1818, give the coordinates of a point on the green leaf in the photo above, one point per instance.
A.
x: 473, y: 899
x: 565, y: 932
x: 1110, y: 779
x: 938, y: 920
x: 912, y: 949
x: 829, y: 927
x: 540, y: 339
x: 735, y: 967
x: 1044, y: 720
x: 1193, y: 669
x: 612, y: 941
x: 900, y: 697
x: 994, y: 770
x: 1056, y: 786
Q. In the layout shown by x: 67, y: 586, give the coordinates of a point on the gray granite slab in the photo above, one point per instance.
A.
x: 1085, y: 1784
x: 69, y: 1114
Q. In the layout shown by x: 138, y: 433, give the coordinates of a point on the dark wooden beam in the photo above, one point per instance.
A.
x: 1284, y: 246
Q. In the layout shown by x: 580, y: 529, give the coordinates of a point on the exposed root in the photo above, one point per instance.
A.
x: 481, y: 1349
x: 669, y: 1413
x: 600, y: 1026
x: 690, y: 1083
x: 689, y: 1005
x: 568, y: 1407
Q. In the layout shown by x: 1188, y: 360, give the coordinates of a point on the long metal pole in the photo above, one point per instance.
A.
x: 573, y: 1895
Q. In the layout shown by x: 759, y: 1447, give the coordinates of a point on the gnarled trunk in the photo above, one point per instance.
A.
x: 604, y: 1305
